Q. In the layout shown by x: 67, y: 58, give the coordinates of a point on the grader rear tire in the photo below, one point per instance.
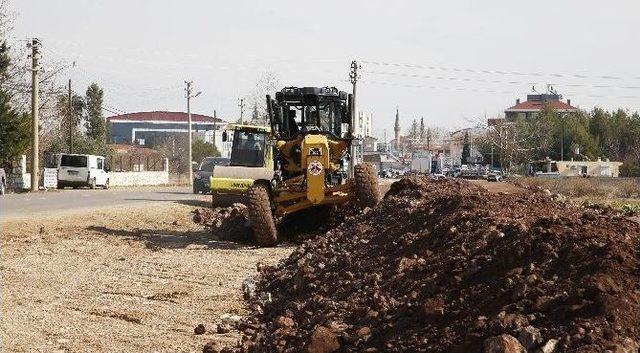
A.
x: 261, y: 217
x: 366, y: 185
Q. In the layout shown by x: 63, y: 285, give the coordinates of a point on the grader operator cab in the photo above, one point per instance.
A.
x: 311, y: 136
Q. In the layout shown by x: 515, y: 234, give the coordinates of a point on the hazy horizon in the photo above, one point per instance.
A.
x: 466, y: 59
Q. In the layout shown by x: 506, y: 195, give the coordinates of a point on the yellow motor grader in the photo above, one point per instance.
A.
x: 308, y: 147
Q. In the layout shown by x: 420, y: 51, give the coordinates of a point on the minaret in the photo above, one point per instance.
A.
x: 397, y: 129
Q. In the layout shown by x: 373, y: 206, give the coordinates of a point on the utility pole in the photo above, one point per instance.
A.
x: 241, y: 105
x: 353, y: 76
x: 71, y: 120
x: 35, y: 67
x: 562, y: 137
x: 188, y: 90
x: 189, y: 95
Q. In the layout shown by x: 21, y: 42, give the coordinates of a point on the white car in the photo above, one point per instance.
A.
x: 494, y: 176
x: 82, y: 170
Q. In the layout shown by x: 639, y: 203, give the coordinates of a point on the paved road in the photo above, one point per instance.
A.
x: 42, y: 203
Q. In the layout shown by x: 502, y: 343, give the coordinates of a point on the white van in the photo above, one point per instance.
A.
x: 81, y: 170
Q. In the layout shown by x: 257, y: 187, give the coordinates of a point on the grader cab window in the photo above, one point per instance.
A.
x: 324, y: 117
x: 308, y: 109
x: 248, y: 148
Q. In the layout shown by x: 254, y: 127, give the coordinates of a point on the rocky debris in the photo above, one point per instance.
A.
x: 503, y: 344
x: 284, y: 322
x: 323, y: 341
x: 530, y: 337
x: 210, y: 347
x: 249, y: 288
x: 226, y: 223
x: 223, y: 328
x: 232, y: 223
x: 444, y: 266
x: 549, y: 347
x: 627, y: 345
x: 199, y: 330
x: 230, y: 320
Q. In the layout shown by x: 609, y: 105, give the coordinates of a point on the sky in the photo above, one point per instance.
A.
x: 452, y: 62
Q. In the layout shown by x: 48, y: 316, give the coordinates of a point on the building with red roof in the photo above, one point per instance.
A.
x: 535, y: 103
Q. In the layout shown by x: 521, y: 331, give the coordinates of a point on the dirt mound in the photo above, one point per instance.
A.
x: 232, y: 223
x: 226, y: 223
x: 443, y: 266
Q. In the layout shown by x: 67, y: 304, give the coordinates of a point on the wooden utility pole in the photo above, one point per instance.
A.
x: 189, y: 95
x: 188, y: 89
x: 71, y: 119
x: 35, y: 67
x: 353, y: 76
x: 241, y: 105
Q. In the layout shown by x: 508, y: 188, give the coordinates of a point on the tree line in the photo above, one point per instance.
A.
x: 82, y: 126
x: 581, y: 135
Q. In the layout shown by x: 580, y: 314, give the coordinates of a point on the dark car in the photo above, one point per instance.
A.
x: 204, y: 172
x: 3, y: 182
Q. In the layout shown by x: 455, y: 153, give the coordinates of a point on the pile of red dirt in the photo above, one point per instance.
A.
x: 226, y: 223
x: 231, y: 223
x: 444, y: 266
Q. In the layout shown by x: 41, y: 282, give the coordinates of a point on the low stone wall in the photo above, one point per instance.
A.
x: 138, y: 178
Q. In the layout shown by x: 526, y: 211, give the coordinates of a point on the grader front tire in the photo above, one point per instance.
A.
x: 261, y: 217
x: 366, y: 185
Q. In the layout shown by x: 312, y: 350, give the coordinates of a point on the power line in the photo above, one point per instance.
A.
x: 498, y: 72
x: 480, y: 80
x: 387, y: 83
x: 106, y: 107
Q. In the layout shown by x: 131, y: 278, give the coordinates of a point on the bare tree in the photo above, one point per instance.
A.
x: 174, y: 147
x: 17, y: 80
x: 267, y: 83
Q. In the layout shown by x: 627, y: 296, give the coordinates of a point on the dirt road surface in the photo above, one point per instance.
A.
x: 499, y: 187
x: 135, y: 279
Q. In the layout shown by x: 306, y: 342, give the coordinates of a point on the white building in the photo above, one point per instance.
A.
x: 215, y: 137
x: 364, y: 122
x: 456, y: 145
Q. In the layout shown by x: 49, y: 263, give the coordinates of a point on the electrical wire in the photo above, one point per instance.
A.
x: 466, y: 79
x: 497, y: 72
x: 387, y: 83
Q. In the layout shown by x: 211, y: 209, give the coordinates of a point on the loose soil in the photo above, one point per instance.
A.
x: 134, y: 279
x: 446, y: 266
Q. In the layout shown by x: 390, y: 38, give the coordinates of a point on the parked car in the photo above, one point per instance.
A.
x: 205, y: 171
x: 77, y: 170
x: 3, y: 182
x: 494, y: 175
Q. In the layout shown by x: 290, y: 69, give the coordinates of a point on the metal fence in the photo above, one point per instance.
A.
x: 135, y: 163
